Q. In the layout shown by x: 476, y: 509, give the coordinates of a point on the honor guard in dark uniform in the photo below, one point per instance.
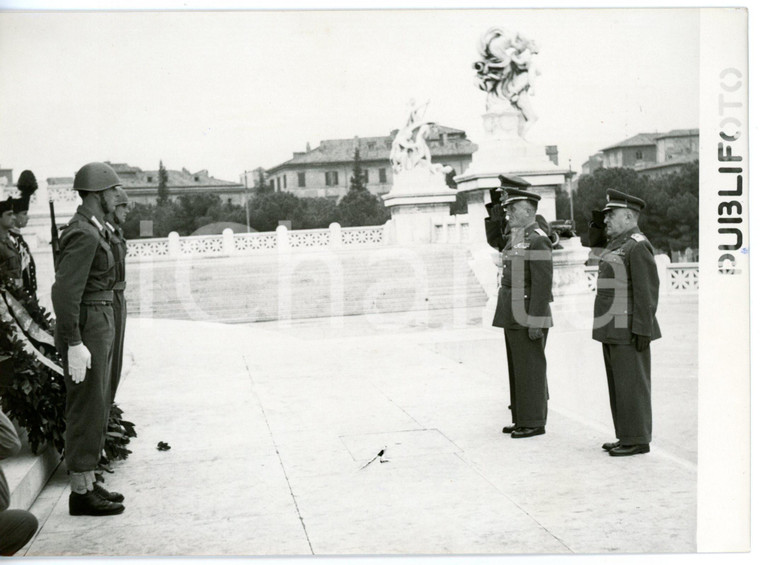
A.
x: 523, y: 307
x: 10, y: 259
x: 27, y: 185
x: 624, y: 318
x: 114, y: 222
x: 82, y: 296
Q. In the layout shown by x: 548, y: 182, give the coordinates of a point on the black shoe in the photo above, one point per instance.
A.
x: 625, y: 450
x: 608, y: 446
x: 508, y: 429
x: 528, y: 432
x: 90, y: 504
x: 107, y: 495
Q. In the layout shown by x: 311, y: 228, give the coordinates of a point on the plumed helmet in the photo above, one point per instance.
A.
x: 121, y: 196
x: 96, y: 177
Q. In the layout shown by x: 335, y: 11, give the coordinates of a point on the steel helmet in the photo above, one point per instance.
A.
x: 121, y: 196
x: 95, y: 177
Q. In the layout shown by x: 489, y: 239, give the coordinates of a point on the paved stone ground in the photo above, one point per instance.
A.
x: 273, y: 427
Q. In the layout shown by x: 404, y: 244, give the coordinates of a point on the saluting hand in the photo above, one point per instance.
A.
x: 535, y: 333
x: 641, y: 342
x: 79, y: 361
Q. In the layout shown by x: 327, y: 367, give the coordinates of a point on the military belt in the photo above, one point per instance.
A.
x: 98, y: 297
x: 119, y: 285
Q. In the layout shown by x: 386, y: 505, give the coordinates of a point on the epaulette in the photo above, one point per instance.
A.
x: 94, y: 221
x: 638, y: 237
x: 541, y: 232
x: 110, y: 227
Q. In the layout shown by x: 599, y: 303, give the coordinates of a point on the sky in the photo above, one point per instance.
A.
x: 230, y: 91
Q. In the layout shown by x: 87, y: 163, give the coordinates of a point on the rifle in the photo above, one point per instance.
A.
x: 54, y: 241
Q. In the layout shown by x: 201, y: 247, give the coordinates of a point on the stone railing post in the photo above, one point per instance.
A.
x: 282, y: 239
x: 228, y: 242
x: 336, y: 240
x: 662, y: 262
x: 174, y: 248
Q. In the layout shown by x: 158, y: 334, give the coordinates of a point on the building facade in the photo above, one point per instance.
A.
x: 142, y: 186
x: 650, y: 154
x: 326, y: 170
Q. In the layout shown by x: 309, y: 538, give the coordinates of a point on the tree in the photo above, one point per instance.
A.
x: 359, y: 207
x: 267, y: 210
x: 592, y: 192
x: 163, y: 182
x: 358, y: 182
x: 260, y: 185
x: 671, y: 217
x: 319, y: 212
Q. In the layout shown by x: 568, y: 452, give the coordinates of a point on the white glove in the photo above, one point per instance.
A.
x: 79, y: 361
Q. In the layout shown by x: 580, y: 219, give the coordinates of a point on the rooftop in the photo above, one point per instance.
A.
x: 378, y: 148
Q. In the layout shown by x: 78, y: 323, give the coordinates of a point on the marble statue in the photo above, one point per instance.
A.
x: 410, y: 149
x: 507, y: 71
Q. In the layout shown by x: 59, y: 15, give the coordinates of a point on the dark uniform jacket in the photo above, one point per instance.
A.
x: 10, y: 261
x: 28, y: 268
x: 86, y: 268
x: 526, y: 282
x: 627, y: 290
x: 119, y: 249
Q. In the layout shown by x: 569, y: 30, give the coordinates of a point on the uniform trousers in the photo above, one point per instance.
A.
x: 16, y: 528
x: 88, y: 403
x: 528, y: 388
x: 120, y: 323
x: 630, y: 384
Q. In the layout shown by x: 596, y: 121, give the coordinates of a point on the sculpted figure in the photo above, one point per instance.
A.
x: 507, y: 71
x: 410, y: 150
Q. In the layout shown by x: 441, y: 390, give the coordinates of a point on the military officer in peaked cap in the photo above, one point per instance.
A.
x: 624, y: 319
x: 523, y: 308
x: 82, y: 296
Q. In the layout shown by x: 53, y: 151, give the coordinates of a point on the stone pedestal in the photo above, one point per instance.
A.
x: 419, y: 199
x: 569, y: 268
x: 503, y: 151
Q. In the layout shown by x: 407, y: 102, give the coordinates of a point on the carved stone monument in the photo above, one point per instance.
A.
x: 506, y: 70
x: 420, y: 194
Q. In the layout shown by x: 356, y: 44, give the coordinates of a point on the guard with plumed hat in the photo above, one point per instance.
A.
x: 27, y: 186
x: 624, y: 318
x: 10, y: 259
x: 523, y: 307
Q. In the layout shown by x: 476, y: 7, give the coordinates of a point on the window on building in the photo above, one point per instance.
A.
x: 271, y: 184
x: 150, y: 178
x: 197, y: 178
x: 366, y: 175
x: 639, y: 155
x: 331, y: 178
x: 371, y: 145
x: 278, y: 184
x: 381, y: 174
x: 301, y: 179
x: 284, y: 181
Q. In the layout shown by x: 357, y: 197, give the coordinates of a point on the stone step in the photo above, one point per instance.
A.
x: 28, y: 473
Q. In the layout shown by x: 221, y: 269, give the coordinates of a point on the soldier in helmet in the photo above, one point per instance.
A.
x: 523, y: 308
x: 115, y: 222
x: 624, y: 318
x: 82, y: 296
